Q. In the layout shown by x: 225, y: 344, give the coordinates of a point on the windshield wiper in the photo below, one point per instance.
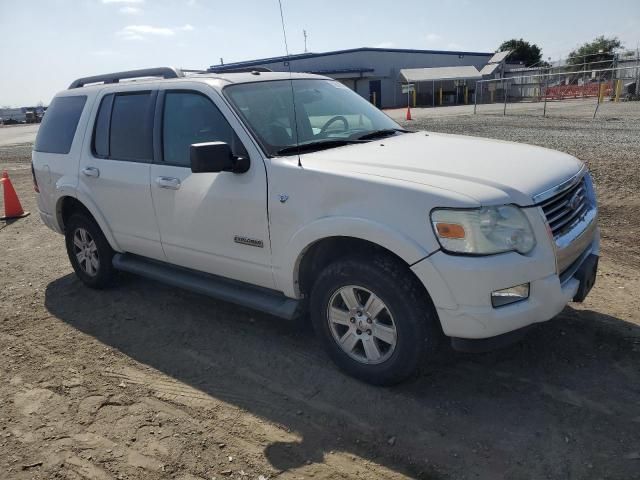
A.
x: 381, y: 133
x: 317, y: 145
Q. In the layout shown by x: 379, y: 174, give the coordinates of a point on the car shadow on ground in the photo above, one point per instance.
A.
x: 561, y: 399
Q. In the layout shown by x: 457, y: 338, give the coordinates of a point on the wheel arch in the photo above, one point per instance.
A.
x: 343, y: 232
x: 66, y: 205
x: 327, y: 250
x: 324, y: 251
x: 329, y: 229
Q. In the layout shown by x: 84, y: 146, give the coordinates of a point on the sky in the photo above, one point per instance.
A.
x: 46, y: 44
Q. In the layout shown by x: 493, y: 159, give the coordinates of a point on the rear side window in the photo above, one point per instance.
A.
x: 59, y: 124
x: 131, y: 132
x: 123, y: 127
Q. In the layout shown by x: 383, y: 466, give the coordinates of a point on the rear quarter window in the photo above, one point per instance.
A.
x: 101, y: 128
x: 59, y: 124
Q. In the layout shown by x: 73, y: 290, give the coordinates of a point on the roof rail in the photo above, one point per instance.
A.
x: 163, y: 72
x: 238, y: 69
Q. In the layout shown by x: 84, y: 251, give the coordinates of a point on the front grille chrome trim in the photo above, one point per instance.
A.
x: 561, y: 205
x: 571, y: 270
x: 567, y: 207
x: 573, y: 241
x: 571, y: 213
x: 553, y: 191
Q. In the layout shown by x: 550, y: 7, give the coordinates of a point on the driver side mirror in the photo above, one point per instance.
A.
x: 216, y: 157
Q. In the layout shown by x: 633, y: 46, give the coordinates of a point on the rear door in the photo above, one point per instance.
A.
x: 213, y: 222
x: 114, y: 172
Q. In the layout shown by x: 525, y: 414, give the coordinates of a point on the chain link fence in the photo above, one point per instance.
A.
x: 580, y: 93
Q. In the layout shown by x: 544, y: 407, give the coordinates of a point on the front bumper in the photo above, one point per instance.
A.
x: 547, y: 298
x: 461, y: 286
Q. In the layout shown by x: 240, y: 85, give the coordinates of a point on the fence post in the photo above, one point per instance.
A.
x: 506, y: 94
x: 618, y: 90
x: 546, y: 87
x: 637, y: 72
x: 475, y: 94
x: 599, y: 94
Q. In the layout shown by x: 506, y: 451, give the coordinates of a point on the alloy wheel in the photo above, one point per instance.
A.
x: 86, y: 252
x: 361, y: 324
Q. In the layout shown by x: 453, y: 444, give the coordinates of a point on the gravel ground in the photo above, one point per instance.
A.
x: 16, y: 134
x: 146, y: 382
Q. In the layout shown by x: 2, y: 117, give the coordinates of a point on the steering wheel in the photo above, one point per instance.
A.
x: 332, y: 120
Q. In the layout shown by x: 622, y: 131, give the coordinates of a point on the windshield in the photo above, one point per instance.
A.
x: 328, y: 114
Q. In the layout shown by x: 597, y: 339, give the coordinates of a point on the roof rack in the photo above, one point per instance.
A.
x: 239, y: 69
x: 163, y: 72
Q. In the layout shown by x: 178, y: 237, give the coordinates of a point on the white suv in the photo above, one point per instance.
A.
x: 292, y: 194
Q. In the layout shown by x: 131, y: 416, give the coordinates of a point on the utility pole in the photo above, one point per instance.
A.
x: 304, y: 32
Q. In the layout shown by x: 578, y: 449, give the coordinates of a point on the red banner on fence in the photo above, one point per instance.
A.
x: 561, y: 92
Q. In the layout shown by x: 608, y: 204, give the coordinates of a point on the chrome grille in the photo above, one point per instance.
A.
x: 566, y: 208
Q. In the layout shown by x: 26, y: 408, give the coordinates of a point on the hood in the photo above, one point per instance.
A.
x: 490, y: 172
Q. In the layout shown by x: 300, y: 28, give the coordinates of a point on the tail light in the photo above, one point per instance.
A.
x: 35, y: 182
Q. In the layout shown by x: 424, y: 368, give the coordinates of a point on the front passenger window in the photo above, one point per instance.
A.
x: 192, y: 118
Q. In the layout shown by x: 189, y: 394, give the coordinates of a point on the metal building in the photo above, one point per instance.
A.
x: 372, y: 72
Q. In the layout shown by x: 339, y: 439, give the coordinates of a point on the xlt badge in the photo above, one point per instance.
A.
x: 252, y: 242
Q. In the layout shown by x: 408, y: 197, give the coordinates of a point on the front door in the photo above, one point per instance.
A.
x: 212, y: 222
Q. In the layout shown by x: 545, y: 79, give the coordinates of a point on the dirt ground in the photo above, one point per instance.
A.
x: 143, y: 381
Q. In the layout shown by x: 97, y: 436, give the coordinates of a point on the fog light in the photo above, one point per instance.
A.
x: 500, y: 298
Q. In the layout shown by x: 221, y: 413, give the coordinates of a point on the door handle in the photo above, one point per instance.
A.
x: 169, y: 183
x: 91, y: 172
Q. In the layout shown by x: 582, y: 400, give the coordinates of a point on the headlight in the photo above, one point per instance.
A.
x: 483, y: 231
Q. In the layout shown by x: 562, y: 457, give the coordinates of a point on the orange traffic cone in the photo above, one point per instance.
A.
x: 12, y: 207
x: 409, y: 113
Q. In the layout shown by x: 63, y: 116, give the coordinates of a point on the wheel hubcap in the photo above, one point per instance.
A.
x: 86, y: 252
x: 361, y: 324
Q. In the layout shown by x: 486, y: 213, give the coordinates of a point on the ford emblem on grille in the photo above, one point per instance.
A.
x: 574, y: 203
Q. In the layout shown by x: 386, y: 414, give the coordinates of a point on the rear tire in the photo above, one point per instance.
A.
x: 89, y: 251
x: 397, y: 327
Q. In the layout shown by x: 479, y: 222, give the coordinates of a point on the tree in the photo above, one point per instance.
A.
x: 596, y: 54
x: 522, y: 51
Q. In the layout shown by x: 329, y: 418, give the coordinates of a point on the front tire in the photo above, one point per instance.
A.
x: 374, y: 318
x: 89, y: 251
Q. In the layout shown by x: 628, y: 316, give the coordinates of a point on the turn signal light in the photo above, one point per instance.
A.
x: 450, y: 230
